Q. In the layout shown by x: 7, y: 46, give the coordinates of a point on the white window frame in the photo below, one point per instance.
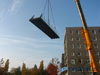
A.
x: 97, y: 53
x: 94, y: 38
x: 73, y: 61
x: 93, y: 31
x: 79, y: 46
x: 72, y: 54
x: 77, y: 38
x: 71, y: 31
x: 99, y: 61
x: 77, y: 32
x: 72, y: 46
x: 95, y: 46
x: 79, y: 54
x: 71, y: 38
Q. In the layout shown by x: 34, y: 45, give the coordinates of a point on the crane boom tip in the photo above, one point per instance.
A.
x: 77, y: 0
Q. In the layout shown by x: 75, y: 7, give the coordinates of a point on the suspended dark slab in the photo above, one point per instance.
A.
x: 42, y: 25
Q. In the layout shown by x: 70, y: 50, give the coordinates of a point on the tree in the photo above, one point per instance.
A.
x: 6, y: 67
x: 1, y: 66
x: 55, y: 61
x: 28, y: 71
x: 35, y: 70
x: 1, y: 62
x: 35, y: 66
x: 23, y: 69
x: 16, y: 71
x: 41, y: 67
x: 52, y: 69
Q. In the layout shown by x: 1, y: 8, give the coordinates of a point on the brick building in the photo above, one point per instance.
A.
x: 75, y: 54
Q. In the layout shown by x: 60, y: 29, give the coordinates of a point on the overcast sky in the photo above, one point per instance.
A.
x: 21, y: 41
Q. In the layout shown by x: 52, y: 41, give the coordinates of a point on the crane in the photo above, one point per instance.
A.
x: 92, y: 57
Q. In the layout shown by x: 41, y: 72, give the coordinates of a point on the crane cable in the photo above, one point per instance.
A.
x: 52, y: 16
x: 49, y: 8
x: 44, y: 7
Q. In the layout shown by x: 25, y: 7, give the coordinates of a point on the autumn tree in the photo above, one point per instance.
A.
x: 35, y: 70
x: 1, y: 66
x: 6, y: 67
x: 1, y: 62
x: 52, y: 69
x: 16, y: 71
x: 24, y: 69
x: 41, y: 67
x: 55, y: 61
x: 28, y: 71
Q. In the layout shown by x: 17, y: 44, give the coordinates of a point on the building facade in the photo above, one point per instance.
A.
x: 75, y: 54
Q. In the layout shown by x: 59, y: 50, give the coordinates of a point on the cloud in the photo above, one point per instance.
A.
x: 9, y: 8
x: 2, y: 15
x: 21, y: 49
x: 26, y: 42
x: 15, y: 5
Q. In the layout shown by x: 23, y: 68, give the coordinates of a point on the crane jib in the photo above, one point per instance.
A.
x: 92, y: 57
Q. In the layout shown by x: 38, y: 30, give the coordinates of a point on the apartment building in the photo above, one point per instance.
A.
x: 75, y: 54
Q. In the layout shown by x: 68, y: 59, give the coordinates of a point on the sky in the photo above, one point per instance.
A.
x: 22, y: 42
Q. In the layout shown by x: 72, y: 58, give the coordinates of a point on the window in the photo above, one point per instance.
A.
x: 72, y: 54
x: 79, y: 53
x: 72, y: 46
x: 86, y: 53
x: 94, y: 39
x: 91, y: 73
x: 72, y: 61
x: 78, y: 39
x: 73, y: 69
x: 99, y: 61
x: 97, y: 53
x: 71, y: 32
x: 95, y: 46
x: 77, y: 32
x: 71, y: 39
x: 93, y: 31
x: 87, y: 61
x: 78, y: 45
x: 80, y: 61
x: 99, y: 30
x: 85, y: 46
